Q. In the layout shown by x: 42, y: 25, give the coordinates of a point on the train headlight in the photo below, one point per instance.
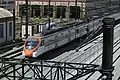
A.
x: 23, y: 53
x: 34, y: 54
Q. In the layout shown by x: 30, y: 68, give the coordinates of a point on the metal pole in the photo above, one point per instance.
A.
x: 14, y: 22
x: 61, y: 11
x: 33, y: 30
x: 107, y: 58
x: 21, y: 27
x: 49, y: 16
x: 76, y: 9
x: 58, y: 73
x: 42, y: 69
x: 64, y: 71
x: 26, y: 18
x: 119, y: 4
x: 23, y: 71
x: 14, y: 72
x: 37, y: 28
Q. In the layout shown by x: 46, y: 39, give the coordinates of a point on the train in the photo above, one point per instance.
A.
x: 54, y: 38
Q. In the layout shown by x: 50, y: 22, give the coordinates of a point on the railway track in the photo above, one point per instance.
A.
x: 12, y: 54
x: 76, y: 56
x: 71, y: 59
x: 10, y: 46
x: 17, y: 51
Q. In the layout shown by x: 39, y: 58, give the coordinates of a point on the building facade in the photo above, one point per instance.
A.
x: 7, y: 4
x: 81, y: 9
x: 6, y: 25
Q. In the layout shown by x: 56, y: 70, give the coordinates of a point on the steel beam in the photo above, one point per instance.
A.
x: 45, y: 69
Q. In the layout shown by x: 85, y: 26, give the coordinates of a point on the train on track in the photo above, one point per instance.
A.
x: 55, y: 38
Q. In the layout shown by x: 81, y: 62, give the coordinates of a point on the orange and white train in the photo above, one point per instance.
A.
x: 54, y: 38
x: 41, y: 43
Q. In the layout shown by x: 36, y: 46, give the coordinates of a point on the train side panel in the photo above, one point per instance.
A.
x: 40, y: 51
x: 62, y: 38
x: 80, y: 31
x: 90, y: 27
x: 97, y: 24
x: 58, y: 39
x: 83, y: 31
x: 49, y: 43
x: 71, y: 34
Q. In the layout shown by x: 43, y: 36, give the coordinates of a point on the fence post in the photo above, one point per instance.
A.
x: 107, y: 58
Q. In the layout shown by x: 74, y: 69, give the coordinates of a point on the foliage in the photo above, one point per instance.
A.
x: 39, y: 20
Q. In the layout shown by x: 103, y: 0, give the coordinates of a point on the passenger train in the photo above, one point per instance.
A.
x: 54, y: 38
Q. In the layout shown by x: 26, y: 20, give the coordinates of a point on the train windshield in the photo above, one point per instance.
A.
x: 31, y: 43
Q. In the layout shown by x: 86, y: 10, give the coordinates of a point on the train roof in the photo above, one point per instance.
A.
x: 56, y: 29
x: 66, y: 26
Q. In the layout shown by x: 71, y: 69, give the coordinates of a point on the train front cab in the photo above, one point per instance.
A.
x: 31, y: 47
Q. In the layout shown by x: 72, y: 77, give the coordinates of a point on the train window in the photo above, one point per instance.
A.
x: 31, y: 43
x: 42, y: 43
